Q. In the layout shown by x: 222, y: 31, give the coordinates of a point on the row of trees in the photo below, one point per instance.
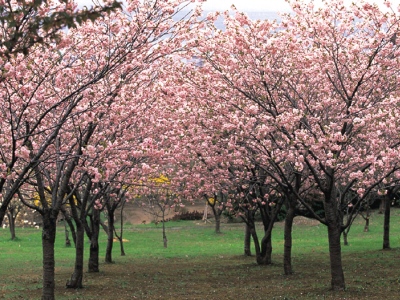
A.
x: 75, y: 129
x: 300, y: 113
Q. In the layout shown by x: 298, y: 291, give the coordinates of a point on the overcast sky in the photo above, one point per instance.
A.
x: 256, y: 5
x: 247, y: 5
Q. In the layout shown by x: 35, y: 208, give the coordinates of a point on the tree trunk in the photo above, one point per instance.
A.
x: 217, y: 218
x: 366, y: 227
x: 93, y: 264
x: 386, y: 224
x: 11, y: 221
x: 247, y: 240
x: 255, y: 241
x: 165, y: 240
x: 67, y: 240
x: 3, y: 209
x: 335, y: 255
x: 334, y: 231
x: 110, y: 238
x: 217, y: 223
x: 268, y: 219
x: 265, y: 257
x: 345, y: 241
x: 48, y: 239
x: 121, y: 244
x: 121, y: 240
x: 287, y: 252
x: 71, y: 228
x: 76, y: 279
x: 205, y: 215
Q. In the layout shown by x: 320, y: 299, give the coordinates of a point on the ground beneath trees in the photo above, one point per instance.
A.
x: 236, y: 277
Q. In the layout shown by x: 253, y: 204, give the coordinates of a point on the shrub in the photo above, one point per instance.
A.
x: 188, y: 215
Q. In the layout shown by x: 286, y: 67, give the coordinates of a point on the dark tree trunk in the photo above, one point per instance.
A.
x: 11, y: 221
x: 3, y: 209
x: 287, y: 252
x: 217, y: 218
x: 76, y: 279
x: 72, y: 229
x: 247, y: 240
x: 337, y: 282
x: 386, y: 223
x: 217, y: 223
x: 165, y: 240
x: 93, y: 265
x: 67, y: 240
x: 366, y: 227
x: 121, y: 244
x: 256, y: 242
x: 345, y: 241
x: 119, y: 237
x: 121, y: 240
x: 265, y: 257
x: 268, y: 218
x: 367, y: 216
x: 291, y: 213
x: 334, y: 231
x: 110, y: 236
x: 48, y: 239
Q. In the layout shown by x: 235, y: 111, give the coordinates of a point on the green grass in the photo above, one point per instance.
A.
x: 200, y: 264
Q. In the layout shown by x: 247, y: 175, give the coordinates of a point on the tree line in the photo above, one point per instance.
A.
x: 300, y: 113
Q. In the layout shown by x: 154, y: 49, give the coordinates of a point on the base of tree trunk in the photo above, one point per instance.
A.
x: 75, y: 282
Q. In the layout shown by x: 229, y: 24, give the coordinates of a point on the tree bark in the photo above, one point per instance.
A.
x: 71, y: 226
x: 247, y: 240
x: 110, y: 238
x: 386, y: 224
x: 287, y: 248
x: 217, y: 218
x: 121, y: 240
x: 93, y: 264
x: 335, y: 255
x: 256, y: 242
x: 366, y: 227
x: 345, y: 241
x: 48, y: 239
x: 334, y: 232
x: 67, y: 240
x: 11, y: 221
x: 3, y: 209
x: 217, y: 223
x: 165, y: 240
x: 265, y: 257
x: 77, y: 276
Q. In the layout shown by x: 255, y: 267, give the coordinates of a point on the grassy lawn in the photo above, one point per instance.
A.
x: 199, y: 264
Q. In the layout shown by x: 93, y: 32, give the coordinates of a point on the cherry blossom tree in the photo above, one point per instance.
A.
x: 68, y: 90
x: 26, y: 23
x: 319, y: 93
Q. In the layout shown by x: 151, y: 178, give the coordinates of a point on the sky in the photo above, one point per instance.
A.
x: 248, y: 5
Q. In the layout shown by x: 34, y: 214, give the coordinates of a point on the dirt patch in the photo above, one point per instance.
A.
x: 299, y: 220
x: 136, y: 214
